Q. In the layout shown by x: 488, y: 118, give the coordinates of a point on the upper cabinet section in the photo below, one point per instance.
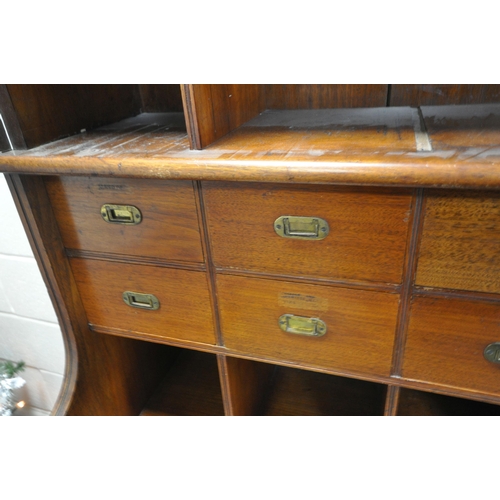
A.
x: 212, y: 111
x: 390, y: 135
x: 38, y: 114
x: 215, y: 110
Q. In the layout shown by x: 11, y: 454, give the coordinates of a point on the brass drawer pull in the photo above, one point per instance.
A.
x: 304, y: 228
x: 310, y: 327
x: 121, y: 214
x: 141, y: 300
x: 492, y: 352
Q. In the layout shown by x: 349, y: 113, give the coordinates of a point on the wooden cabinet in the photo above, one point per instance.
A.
x: 266, y: 251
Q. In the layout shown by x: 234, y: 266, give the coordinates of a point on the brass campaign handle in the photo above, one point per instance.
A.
x: 304, y: 228
x: 492, y: 352
x: 141, y: 300
x: 300, y: 325
x: 121, y: 214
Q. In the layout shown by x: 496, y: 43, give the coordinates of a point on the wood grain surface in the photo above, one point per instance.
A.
x: 246, y: 384
x: 434, y: 94
x: 324, y: 96
x: 184, y: 313
x: 460, y: 241
x: 445, y: 343
x: 418, y: 403
x: 49, y: 112
x: 215, y: 110
x: 296, y: 392
x: 367, y: 238
x: 156, y: 146
x: 361, y: 325
x: 169, y: 228
x: 157, y: 98
x: 189, y: 388
x: 104, y: 375
x: 471, y: 130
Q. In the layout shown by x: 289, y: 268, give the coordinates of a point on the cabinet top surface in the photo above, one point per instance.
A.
x: 438, y: 146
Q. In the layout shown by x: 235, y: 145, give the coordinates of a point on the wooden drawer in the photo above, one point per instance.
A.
x: 360, y: 324
x: 461, y: 241
x: 184, y: 313
x: 446, y: 340
x: 168, y: 230
x: 366, y: 242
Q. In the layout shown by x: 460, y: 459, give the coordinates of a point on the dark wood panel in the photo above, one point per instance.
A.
x: 184, y: 313
x: 446, y: 340
x: 431, y: 95
x: 160, y: 98
x: 241, y: 224
x: 246, y: 384
x: 472, y: 129
x: 460, y: 241
x: 190, y: 388
x: 4, y: 140
x: 11, y: 120
x: 169, y: 228
x: 418, y: 403
x: 49, y: 112
x: 302, y: 393
x: 215, y: 110
x: 324, y: 96
x: 360, y: 324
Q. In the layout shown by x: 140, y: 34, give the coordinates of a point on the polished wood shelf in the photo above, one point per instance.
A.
x: 375, y: 146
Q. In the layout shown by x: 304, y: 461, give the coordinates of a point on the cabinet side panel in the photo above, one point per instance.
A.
x: 104, y: 375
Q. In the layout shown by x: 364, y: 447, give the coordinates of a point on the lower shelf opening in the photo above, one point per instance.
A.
x: 418, y: 403
x: 190, y: 388
x: 262, y: 389
x: 300, y: 392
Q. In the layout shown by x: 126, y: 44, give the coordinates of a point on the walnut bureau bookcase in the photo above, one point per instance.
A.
x: 265, y: 249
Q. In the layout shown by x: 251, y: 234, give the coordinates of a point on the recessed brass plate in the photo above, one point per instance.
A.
x: 492, y: 352
x: 141, y: 300
x: 303, y: 228
x: 300, y: 325
x: 121, y: 214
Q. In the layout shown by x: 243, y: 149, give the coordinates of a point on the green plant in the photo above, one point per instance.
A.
x: 8, y: 369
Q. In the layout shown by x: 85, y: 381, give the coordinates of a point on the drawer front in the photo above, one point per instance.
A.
x: 168, y: 229
x: 360, y: 325
x: 461, y: 241
x: 366, y: 239
x: 184, y: 304
x: 446, y: 341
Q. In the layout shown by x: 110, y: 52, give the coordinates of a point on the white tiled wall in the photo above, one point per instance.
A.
x: 29, y: 330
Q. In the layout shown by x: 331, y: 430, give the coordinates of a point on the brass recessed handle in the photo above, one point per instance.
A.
x: 141, y: 300
x: 300, y: 325
x: 303, y: 228
x: 121, y: 214
x: 492, y: 352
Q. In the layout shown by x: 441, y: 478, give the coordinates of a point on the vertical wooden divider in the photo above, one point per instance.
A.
x: 212, y: 111
x: 409, y: 270
x: 391, y: 401
x: 244, y: 384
